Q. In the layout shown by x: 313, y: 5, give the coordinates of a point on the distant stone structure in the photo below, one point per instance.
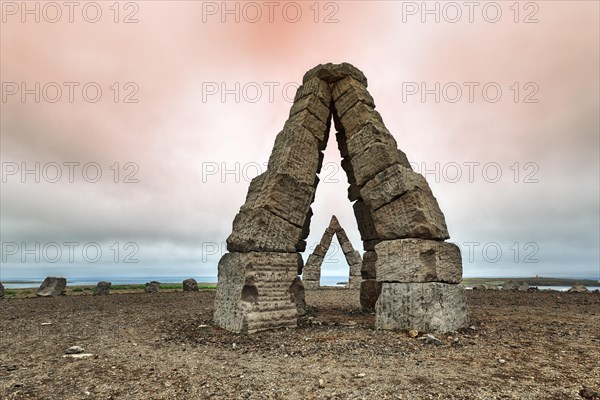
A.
x: 311, y: 275
x: 152, y: 287
x: 102, y: 288
x: 512, y: 285
x: 1, y: 290
x: 410, y: 275
x: 52, y: 286
x: 190, y: 285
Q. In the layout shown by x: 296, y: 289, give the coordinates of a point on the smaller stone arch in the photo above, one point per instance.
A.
x: 312, y: 270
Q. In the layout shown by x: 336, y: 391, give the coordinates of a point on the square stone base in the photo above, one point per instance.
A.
x: 425, y: 307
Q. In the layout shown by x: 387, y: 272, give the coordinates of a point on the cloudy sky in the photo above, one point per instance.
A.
x: 129, y: 133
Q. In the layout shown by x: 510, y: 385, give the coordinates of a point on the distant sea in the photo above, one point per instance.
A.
x: 35, y: 283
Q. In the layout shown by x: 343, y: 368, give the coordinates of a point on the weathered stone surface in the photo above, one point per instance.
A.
x: 577, y: 289
x: 353, y: 192
x: 253, y: 291
x: 417, y: 260
x: 102, y: 288
x: 334, y: 72
x: 316, y: 86
x: 364, y: 220
x: 369, y: 260
x: 298, y: 296
x: 282, y: 195
x: 416, y: 214
x: 367, y: 164
x: 313, y: 105
x: 152, y: 287
x: 311, y: 284
x: 367, y: 136
x: 52, y: 286
x: 260, y: 230
x: 390, y: 184
x: 1, y: 290
x: 515, y: 285
x: 369, y: 293
x: 357, y: 117
x: 296, y: 152
x: 354, y: 261
x: 354, y: 93
x: 354, y: 282
x: 190, y: 285
x: 311, y: 123
x: 425, y: 307
x: 312, y: 269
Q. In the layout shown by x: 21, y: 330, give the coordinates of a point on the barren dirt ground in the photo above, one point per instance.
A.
x: 163, y: 346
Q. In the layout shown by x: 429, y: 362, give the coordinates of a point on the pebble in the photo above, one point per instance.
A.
x: 502, y: 361
x: 413, y: 333
x: 75, y: 350
x: 430, y: 339
x: 321, y: 383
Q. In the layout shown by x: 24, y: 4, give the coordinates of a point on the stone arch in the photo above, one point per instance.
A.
x: 411, y: 275
x: 311, y: 275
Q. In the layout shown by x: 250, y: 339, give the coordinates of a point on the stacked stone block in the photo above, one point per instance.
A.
x: 257, y: 287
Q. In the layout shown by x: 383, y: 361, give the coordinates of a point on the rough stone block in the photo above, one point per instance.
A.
x: 368, y: 270
x: 367, y: 136
x: 253, y: 292
x: 312, y: 269
x: 334, y: 72
x: 367, y: 164
x: 316, y: 86
x: 282, y: 195
x: 152, y: 287
x: 313, y: 105
x: 260, y: 230
x: 311, y: 123
x: 52, y: 286
x: 417, y: 260
x: 190, y: 285
x: 390, y: 184
x: 296, y: 153
x: 425, y: 307
x: 369, y: 293
x: 357, y: 117
x: 339, y: 88
x: 298, y: 295
x: 416, y: 214
x: 365, y: 222
x: 353, y: 95
x: 354, y: 261
x: 102, y: 288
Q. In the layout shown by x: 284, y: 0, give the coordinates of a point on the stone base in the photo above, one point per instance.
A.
x: 425, y: 307
x: 253, y: 292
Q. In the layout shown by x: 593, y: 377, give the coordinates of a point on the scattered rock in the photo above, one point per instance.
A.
x: 590, y: 394
x: 75, y: 350
x: 298, y: 295
x: 502, y: 361
x: 321, y: 383
x: 102, y: 288
x: 413, y: 333
x: 190, y: 285
x: 152, y: 287
x: 515, y: 285
x: 79, y: 355
x: 577, y: 289
x: 430, y: 339
x: 52, y: 287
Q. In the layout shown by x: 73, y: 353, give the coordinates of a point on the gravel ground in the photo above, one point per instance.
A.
x: 537, y: 345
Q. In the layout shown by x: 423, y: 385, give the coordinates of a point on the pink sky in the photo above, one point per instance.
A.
x: 175, y: 131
